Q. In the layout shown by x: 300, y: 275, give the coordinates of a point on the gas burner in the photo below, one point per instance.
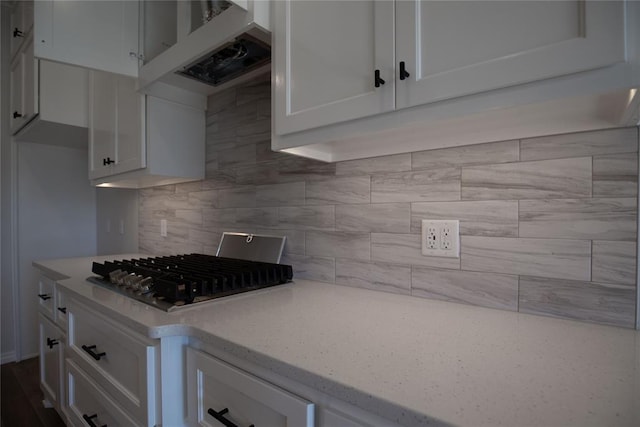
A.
x: 170, y: 282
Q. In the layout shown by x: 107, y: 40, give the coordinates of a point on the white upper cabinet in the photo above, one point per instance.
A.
x: 140, y: 141
x: 456, y: 48
x: 449, y: 72
x: 116, y: 132
x: 331, y: 73
x: 101, y: 35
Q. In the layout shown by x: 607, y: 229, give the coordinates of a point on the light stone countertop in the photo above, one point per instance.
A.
x: 415, y: 361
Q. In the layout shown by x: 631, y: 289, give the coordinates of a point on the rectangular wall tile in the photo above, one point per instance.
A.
x: 244, y: 155
x: 237, y: 197
x: 498, y: 218
x: 375, y: 165
x: 614, y: 262
x: 564, y: 178
x: 219, y: 179
x: 355, y: 189
x: 204, y: 199
x: 405, y: 249
x: 609, y: 141
x: 218, y: 219
x: 260, y: 173
x: 339, y: 244
x: 610, y: 219
x: 293, y: 168
x: 311, y: 267
x: 256, y: 217
x: 615, y: 175
x: 556, y: 258
x: 483, y: 289
x: 288, y: 194
x: 493, y: 152
x: 614, y: 305
x: 371, y: 275
x: 422, y: 186
x: 307, y: 217
x: 381, y: 217
x: 189, y: 217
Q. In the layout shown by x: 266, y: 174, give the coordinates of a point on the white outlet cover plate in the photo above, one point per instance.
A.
x: 447, y: 244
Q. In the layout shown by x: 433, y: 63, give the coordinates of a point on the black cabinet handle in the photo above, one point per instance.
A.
x: 16, y: 115
x: 89, y: 349
x: 403, y: 72
x: 17, y: 33
x: 378, y: 80
x: 51, y: 342
x: 89, y: 420
x: 107, y: 161
x: 62, y: 310
x: 44, y: 297
x: 220, y: 417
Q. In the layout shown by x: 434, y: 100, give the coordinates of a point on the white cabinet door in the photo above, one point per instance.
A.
x: 21, y: 23
x: 101, y: 35
x: 24, y: 87
x: 456, y: 48
x: 51, y: 356
x: 217, y: 391
x: 102, y: 123
x: 326, y: 54
x: 130, y: 139
x: 116, y: 132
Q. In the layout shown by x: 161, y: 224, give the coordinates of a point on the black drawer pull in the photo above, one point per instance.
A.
x: 17, y: 33
x: 89, y: 420
x: 403, y: 72
x: 378, y: 81
x: 44, y: 297
x: 220, y: 417
x: 107, y: 161
x: 51, y: 342
x: 89, y: 349
x: 16, y: 115
x: 62, y: 310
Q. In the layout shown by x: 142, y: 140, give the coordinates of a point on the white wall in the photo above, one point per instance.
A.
x: 56, y: 219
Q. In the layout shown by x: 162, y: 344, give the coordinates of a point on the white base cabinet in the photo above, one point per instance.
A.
x: 52, y: 342
x: 218, y: 393
x: 121, y: 363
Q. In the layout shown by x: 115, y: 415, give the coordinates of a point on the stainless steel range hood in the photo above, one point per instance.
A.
x: 232, y: 46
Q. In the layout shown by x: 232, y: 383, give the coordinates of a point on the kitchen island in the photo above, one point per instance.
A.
x: 413, y: 361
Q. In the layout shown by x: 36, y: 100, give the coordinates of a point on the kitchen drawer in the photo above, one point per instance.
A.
x: 89, y: 405
x: 119, y: 360
x: 46, y: 297
x: 241, y: 398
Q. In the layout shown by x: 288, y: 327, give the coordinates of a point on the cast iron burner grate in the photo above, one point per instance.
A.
x: 171, y: 281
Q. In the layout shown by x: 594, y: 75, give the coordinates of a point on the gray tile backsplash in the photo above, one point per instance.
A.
x: 548, y: 225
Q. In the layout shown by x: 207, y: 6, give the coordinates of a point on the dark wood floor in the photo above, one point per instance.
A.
x: 21, y: 397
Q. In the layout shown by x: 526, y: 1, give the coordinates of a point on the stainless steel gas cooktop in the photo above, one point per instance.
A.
x: 244, y: 262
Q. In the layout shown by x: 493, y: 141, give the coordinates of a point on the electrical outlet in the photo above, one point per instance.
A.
x: 163, y: 228
x: 441, y: 238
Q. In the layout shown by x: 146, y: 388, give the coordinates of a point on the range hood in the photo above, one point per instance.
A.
x: 231, y: 47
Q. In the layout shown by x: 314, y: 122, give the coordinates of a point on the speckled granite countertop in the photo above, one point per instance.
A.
x: 416, y: 361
